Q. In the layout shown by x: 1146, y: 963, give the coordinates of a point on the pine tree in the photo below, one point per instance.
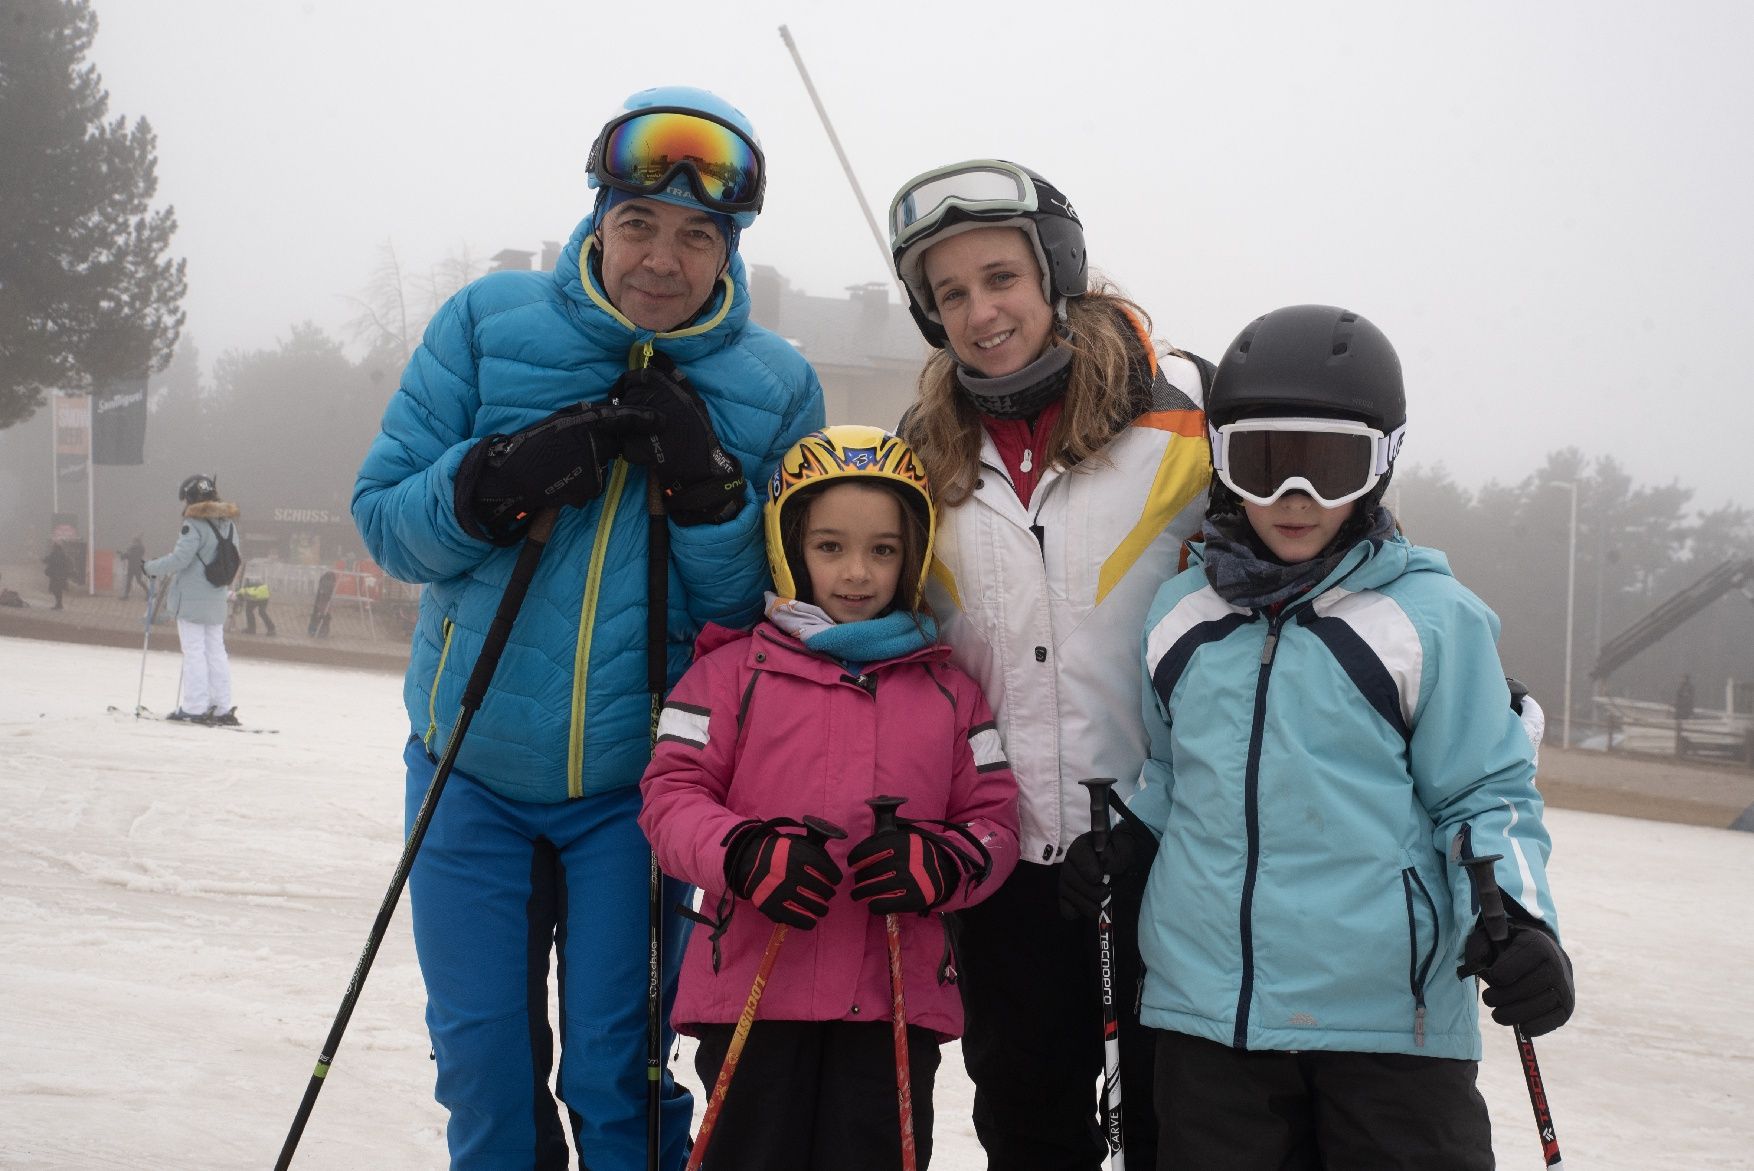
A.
x: 87, y: 293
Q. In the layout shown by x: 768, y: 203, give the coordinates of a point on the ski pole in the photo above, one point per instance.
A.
x: 1099, y: 788
x: 821, y: 832
x: 1497, y: 931
x: 474, y: 692
x: 657, y: 674
x: 146, y: 640
x: 884, y: 808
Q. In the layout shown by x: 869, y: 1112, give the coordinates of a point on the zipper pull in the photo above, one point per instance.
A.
x: 1419, y: 1027
x: 1028, y: 460
x: 1267, y: 647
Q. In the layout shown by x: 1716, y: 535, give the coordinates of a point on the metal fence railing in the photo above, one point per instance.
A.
x: 1633, y: 725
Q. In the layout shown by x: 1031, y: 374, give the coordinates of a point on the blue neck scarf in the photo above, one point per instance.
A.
x: 890, y: 637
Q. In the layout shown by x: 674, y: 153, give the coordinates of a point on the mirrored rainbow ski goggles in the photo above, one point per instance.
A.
x: 1334, y: 460
x: 984, y: 188
x: 643, y: 150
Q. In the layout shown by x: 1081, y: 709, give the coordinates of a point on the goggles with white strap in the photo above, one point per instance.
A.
x: 1335, y: 461
x: 989, y: 188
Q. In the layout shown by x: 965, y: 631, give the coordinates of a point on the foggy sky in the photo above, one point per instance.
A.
x: 1543, y: 205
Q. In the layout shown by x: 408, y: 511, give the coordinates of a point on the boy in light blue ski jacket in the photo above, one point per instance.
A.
x: 1331, y: 737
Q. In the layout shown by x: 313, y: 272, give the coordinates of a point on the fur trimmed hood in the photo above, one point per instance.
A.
x: 212, y: 510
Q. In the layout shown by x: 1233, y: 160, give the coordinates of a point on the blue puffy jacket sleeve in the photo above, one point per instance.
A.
x: 403, y: 499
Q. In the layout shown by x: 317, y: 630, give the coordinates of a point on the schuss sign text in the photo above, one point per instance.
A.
x: 311, y: 516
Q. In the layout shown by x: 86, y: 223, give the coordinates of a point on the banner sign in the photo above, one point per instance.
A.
x: 118, y: 434
x: 72, y: 423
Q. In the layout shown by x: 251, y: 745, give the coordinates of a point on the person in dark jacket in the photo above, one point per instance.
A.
x: 632, y: 364
x: 135, y: 556
x: 58, y: 566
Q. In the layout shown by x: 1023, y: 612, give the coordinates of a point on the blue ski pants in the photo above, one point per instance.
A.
x: 499, y: 886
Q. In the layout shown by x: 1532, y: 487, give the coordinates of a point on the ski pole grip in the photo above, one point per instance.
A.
x: 1099, y: 788
x: 822, y: 831
x: 884, y: 808
x: 1485, y: 884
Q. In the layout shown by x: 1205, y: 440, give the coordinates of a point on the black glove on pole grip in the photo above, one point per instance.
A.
x: 1492, y: 917
x: 1100, y: 789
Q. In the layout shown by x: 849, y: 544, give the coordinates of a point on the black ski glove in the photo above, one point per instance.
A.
x: 787, y: 876
x: 558, y: 461
x: 913, y: 868
x: 703, y: 483
x: 1126, y: 860
x: 1528, y: 976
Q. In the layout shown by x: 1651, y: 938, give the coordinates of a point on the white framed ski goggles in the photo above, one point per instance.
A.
x: 1334, y: 460
x: 640, y: 152
x: 990, y: 187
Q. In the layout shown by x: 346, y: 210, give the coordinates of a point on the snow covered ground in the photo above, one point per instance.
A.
x: 181, y: 908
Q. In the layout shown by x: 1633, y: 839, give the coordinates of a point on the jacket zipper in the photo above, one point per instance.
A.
x: 575, y: 748
x: 1252, y: 815
x: 432, y: 692
x: 1418, y: 970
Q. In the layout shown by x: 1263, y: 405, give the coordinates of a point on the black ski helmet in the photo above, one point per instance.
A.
x: 1317, y: 359
x: 1045, y: 215
x: 197, y: 488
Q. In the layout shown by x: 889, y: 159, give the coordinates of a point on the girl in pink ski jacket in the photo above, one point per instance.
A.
x: 842, y: 695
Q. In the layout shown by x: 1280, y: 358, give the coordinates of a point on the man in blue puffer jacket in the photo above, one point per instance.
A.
x: 635, y: 358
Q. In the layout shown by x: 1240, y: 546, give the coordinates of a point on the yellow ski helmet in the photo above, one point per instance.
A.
x: 839, y: 453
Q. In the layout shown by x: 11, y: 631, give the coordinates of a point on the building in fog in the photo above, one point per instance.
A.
x: 864, y: 346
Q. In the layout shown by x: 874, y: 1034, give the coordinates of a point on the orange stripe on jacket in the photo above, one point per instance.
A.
x: 1191, y: 424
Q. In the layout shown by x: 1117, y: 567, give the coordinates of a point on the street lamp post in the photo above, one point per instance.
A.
x: 1570, y: 601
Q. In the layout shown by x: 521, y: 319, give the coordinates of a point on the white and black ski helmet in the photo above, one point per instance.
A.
x: 984, y: 193
x: 197, y: 488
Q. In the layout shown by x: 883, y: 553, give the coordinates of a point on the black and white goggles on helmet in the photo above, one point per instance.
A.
x: 983, y: 188
x: 1335, y: 461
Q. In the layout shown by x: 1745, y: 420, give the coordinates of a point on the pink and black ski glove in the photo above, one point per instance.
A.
x: 788, y: 877
x: 908, y: 868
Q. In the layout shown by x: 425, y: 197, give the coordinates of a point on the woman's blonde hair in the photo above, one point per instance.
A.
x: 1108, y: 380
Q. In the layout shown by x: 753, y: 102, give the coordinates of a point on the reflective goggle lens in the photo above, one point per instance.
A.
x: 986, y: 185
x: 1334, y: 462
x: 640, y: 152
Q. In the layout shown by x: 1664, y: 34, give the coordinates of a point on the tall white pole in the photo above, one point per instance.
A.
x: 1570, y: 604
x: 54, y: 459
x: 90, y: 499
x: 852, y: 180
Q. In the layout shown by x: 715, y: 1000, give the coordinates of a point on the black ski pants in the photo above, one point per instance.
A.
x: 816, y: 1096
x: 1032, y: 998
x: 253, y: 608
x: 1316, y: 1111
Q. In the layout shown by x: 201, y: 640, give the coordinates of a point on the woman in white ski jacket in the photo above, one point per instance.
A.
x: 1069, y: 457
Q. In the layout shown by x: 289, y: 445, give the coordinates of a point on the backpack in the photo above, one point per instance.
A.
x: 226, y: 559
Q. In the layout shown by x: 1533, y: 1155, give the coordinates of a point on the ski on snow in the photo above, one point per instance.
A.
x: 149, y: 714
